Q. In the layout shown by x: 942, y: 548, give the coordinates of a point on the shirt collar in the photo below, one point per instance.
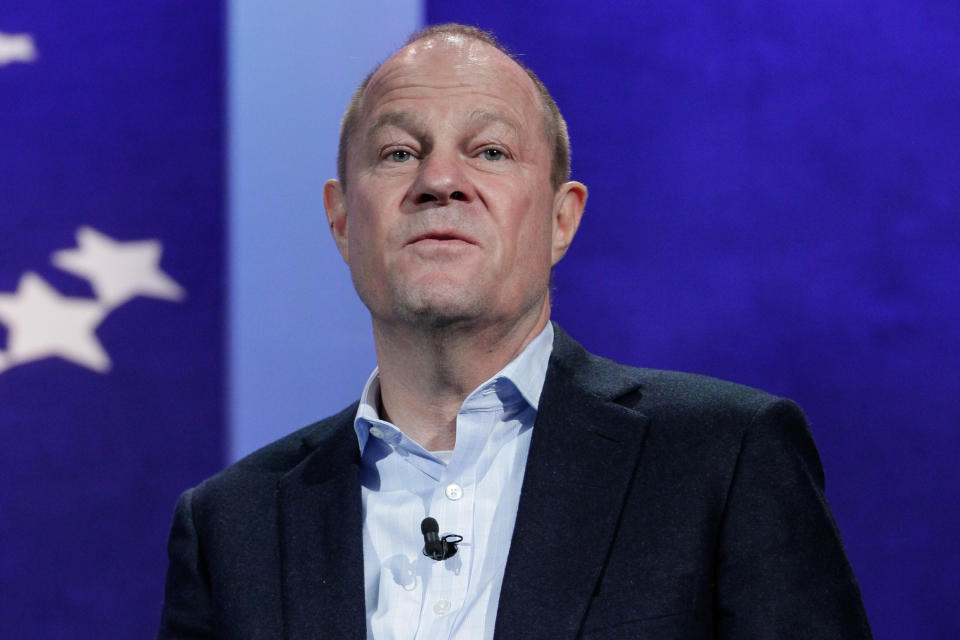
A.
x: 529, y: 369
x: 526, y: 372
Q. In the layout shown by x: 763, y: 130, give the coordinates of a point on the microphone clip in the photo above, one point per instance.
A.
x: 434, y: 546
x: 445, y: 548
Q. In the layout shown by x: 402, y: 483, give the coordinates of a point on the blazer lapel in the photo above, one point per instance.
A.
x: 582, y: 460
x: 321, y: 542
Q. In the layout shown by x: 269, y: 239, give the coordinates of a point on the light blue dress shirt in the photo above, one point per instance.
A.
x: 472, y: 491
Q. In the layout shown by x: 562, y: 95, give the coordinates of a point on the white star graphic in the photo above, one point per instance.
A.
x: 16, y: 47
x: 42, y: 323
x: 118, y: 271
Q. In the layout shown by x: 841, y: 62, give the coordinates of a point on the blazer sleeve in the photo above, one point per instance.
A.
x: 781, y: 568
x: 187, y: 609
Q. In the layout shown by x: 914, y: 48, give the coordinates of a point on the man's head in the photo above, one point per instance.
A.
x: 452, y: 212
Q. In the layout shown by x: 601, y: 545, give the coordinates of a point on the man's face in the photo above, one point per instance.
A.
x: 448, y: 215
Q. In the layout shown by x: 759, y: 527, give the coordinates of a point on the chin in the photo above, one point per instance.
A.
x: 440, y: 307
x: 437, y: 315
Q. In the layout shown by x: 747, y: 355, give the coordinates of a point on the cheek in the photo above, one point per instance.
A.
x: 531, y: 246
x: 363, y: 228
x: 357, y: 239
x: 535, y: 229
x: 373, y: 209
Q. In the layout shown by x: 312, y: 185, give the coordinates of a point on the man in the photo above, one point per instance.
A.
x: 593, y: 500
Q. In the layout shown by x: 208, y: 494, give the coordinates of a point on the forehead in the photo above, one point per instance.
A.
x: 453, y: 70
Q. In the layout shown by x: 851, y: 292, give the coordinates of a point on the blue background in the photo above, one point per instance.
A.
x: 774, y: 191
x: 118, y: 125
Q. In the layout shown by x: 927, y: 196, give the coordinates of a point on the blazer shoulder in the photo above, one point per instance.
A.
x: 655, y: 391
x: 676, y: 389
x: 265, y: 466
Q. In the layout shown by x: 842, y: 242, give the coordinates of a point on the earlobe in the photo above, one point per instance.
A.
x: 568, y: 205
x: 335, y: 204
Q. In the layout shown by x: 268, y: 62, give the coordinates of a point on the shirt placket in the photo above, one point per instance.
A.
x: 454, y: 502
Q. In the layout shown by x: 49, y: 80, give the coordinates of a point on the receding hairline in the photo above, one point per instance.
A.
x: 555, y: 128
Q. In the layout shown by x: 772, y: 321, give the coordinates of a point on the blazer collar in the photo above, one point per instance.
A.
x: 321, y: 549
x: 583, y: 457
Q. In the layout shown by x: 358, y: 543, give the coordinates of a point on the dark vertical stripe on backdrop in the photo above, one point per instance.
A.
x: 773, y: 200
x: 111, y: 303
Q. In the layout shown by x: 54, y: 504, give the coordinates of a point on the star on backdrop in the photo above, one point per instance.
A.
x: 42, y: 323
x: 16, y: 47
x: 118, y: 271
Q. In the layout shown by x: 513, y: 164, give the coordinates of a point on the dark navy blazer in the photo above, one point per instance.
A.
x: 654, y: 505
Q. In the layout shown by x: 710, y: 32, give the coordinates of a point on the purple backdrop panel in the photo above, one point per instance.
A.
x: 110, y: 303
x: 774, y: 192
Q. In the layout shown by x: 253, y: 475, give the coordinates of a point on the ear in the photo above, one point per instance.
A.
x: 335, y: 203
x: 568, y: 206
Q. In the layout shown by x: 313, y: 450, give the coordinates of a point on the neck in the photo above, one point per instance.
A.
x: 427, y: 373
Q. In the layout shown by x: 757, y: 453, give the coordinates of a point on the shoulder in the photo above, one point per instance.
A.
x: 259, y: 472
x: 687, y: 407
x: 696, y: 410
x: 698, y: 426
x: 682, y: 393
x: 652, y: 390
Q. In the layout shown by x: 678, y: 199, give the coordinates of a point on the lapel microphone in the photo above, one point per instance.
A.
x: 434, y: 546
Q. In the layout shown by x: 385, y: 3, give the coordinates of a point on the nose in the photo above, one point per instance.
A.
x: 441, y: 178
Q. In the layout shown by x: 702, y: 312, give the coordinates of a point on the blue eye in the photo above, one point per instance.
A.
x: 400, y: 155
x: 493, y: 154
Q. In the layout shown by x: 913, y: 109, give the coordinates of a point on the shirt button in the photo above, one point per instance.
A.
x: 454, y: 491
x: 441, y: 607
x: 376, y: 432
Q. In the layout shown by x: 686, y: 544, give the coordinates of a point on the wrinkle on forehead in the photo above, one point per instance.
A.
x: 412, y: 122
x: 481, y: 118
